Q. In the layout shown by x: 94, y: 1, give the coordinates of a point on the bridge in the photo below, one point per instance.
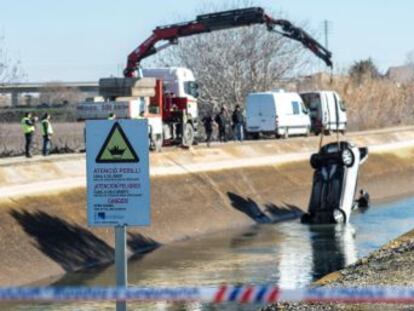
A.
x: 15, y: 89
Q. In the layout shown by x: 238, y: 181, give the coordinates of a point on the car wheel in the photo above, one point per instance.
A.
x: 339, y: 216
x: 347, y: 157
x: 314, y: 161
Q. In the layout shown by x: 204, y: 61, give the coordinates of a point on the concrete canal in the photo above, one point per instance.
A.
x: 288, y: 254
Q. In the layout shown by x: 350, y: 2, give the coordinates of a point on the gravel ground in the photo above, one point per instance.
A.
x: 390, y: 265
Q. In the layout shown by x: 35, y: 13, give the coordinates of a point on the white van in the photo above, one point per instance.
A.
x: 327, y: 111
x: 280, y: 113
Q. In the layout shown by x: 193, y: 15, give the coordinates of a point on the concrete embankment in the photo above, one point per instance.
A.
x: 43, y: 214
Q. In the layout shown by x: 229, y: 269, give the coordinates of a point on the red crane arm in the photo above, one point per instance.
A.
x: 219, y: 21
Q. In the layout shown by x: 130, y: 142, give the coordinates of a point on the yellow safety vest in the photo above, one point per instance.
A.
x: 27, y: 129
x: 49, y: 128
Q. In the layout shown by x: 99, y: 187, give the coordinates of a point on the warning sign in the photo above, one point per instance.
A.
x: 116, y: 148
x: 118, y: 172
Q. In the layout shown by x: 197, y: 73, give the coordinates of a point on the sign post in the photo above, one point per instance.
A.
x: 117, y: 160
x: 121, y: 263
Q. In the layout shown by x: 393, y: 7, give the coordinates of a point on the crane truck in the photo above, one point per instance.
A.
x: 172, y: 109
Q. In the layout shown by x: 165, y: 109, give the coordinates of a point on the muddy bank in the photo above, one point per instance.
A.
x: 391, y: 265
x: 46, y: 234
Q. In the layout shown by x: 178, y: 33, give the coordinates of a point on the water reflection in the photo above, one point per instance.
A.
x: 333, y: 247
x: 288, y: 254
x: 319, y: 250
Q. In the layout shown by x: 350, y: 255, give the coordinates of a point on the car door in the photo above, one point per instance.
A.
x: 253, y: 113
x: 268, y: 113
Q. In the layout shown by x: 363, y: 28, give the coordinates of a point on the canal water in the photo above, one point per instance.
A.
x: 287, y: 254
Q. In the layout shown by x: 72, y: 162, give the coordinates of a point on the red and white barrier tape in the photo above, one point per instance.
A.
x: 222, y: 294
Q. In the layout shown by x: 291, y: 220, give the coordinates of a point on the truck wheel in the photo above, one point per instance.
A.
x: 339, y: 216
x: 188, y: 135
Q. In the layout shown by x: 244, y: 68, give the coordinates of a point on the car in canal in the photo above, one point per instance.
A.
x: 334, y: 184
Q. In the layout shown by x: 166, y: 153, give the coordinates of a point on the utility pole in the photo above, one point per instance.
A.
x: 326, y: 27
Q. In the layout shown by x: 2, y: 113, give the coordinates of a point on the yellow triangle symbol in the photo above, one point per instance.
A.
x: 116, y: 148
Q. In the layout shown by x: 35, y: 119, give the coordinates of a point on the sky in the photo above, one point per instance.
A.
x: 83, y: 40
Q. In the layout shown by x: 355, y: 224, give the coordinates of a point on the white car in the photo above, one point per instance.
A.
x: 334, y: 182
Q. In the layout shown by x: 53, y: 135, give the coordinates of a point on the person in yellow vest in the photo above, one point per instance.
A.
x: 47, y: 132
x: 112, y: 116
x: 28, y: 127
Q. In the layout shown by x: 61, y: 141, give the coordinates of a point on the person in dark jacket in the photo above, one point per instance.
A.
x: 28, y: 126
x: 208, y: 127
x: 47, y: 132
x: 363, y: 200
x: 221, y: 121
x: 238, y: 124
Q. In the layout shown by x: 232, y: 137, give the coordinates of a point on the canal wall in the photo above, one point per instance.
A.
x: 43, y: 214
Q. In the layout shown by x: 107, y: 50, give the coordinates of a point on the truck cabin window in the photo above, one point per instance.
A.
x: 191, y: 88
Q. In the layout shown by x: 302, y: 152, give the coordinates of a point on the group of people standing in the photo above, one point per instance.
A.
x: 221, y: 120
x: 28, y: 124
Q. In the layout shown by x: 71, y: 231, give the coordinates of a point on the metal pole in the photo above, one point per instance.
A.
x: 326, y: 33
x: 121, y: 263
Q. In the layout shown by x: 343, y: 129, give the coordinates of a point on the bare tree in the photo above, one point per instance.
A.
x: 230, y: 64
x: 56, y: 93
x: 10, y: 69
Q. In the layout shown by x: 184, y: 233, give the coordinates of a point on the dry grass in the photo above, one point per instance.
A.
x: 68, y: 137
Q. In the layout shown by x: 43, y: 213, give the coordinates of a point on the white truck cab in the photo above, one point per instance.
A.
x: 327, y: 111
x: 143, y: 97
x: 179, y: 81
x: 280, y: 113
